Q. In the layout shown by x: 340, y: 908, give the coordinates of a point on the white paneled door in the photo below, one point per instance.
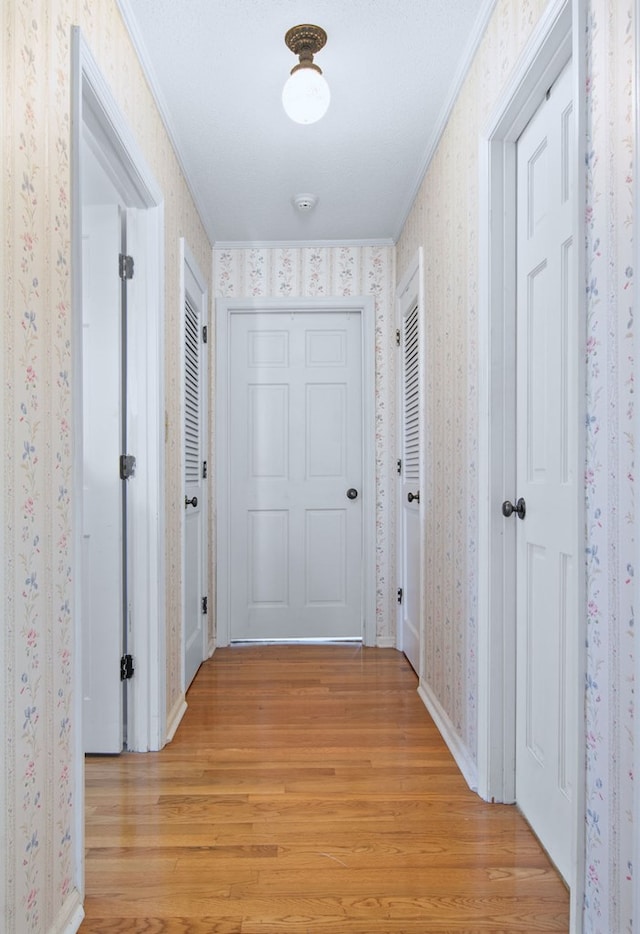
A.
x: 547, y: 424
x: 295, y: 465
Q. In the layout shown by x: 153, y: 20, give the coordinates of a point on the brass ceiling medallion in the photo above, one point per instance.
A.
x: 305, y: 41
x: 306, y: 94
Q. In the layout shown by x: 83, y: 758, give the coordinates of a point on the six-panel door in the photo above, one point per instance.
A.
x: 296, y: 452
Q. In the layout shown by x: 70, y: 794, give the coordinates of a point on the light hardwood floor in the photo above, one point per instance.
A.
x: 307, y: 791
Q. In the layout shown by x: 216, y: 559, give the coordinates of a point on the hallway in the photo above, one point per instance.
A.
x: 307, y: 790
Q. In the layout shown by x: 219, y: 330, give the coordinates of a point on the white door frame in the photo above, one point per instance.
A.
x: 410, y: 292
x: 364, y: 306
x: 189, y: 264
x: 95, y: 112
x: 636, y: 589
x: 557, y: 37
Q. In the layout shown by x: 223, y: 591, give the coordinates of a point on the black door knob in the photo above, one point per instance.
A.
x: 520, y: 508
x: 414, y: 496
x: 190, y: 502
x: 352, y: 493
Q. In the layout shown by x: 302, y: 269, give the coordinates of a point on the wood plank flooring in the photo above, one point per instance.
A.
x: 307, y: 791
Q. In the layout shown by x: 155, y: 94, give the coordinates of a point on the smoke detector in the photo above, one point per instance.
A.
x: 305, y: 203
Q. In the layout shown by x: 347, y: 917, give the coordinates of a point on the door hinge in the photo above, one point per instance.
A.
x: 399, y: 467
x: 204, y: 470
x: 399, y: 595
x: 127, y: 466
x: 205, y: 605
x: 125, y: 266
x: 397, y: 337
x: 126, y: 667
x: 205, y: 334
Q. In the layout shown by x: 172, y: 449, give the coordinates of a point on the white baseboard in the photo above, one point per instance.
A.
x: 211, y: 647
x: 173, y: 720
x: 457, y: 748
x: 70, y: 916
x: 386, y: 642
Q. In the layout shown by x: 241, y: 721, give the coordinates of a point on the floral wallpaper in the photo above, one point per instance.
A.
x: 338, y: 271
x: 444, y: 219
x: 40, y: 889
x: 610, y: 471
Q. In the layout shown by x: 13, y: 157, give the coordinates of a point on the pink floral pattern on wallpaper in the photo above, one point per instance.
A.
x: 30, y: 646
x: 61, y: 482
x: 322, y: 272
x: 443, y: 221
x: 39, y: 395
x: 315, y: 273
x: 345, y: 264
x: 38, y: 618
x: 225, y: 267
x: 285, y: 274
x: 609, y: 472
x: 38, y: 767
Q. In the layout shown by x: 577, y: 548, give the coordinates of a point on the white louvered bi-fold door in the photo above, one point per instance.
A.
x: 410, y: 499
x: 195, y: 513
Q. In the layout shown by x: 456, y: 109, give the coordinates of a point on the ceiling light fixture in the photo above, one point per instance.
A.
x: 306, y: 95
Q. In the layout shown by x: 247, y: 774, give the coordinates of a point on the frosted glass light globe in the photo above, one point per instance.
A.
x: 306, y: 96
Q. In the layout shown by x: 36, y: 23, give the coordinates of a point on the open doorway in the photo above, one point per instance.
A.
x: 105, y: 513
x: 99, y: 125
x: 129, y: 219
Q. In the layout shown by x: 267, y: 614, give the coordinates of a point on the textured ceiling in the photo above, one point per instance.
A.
x: 217, y: 68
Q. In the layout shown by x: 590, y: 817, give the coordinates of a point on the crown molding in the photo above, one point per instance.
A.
x: 145, y: 62
x: 482, y: 21
x: 298, y: 244
x: 147, y: 68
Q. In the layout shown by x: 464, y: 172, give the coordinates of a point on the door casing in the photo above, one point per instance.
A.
x: 555, y: 40
x: 189, y: 269
x: 410, y: 292
x: 363, y: 306
x: 636, y: 345
x: 95, y: 110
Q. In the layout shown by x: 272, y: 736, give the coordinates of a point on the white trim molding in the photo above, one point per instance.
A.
x: 365, y: 306
x: 154, y: 85
x: 410, y: 292
x: 7, y: 850
x: 98, y: 121
x: 468, y: 55
x: 636, y: 600
x: 456, y: 747
x: 70, y: 917
x: 192, y: 281
x: 175, y: 716
x: 542, y: 61
x: 221, y: 245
